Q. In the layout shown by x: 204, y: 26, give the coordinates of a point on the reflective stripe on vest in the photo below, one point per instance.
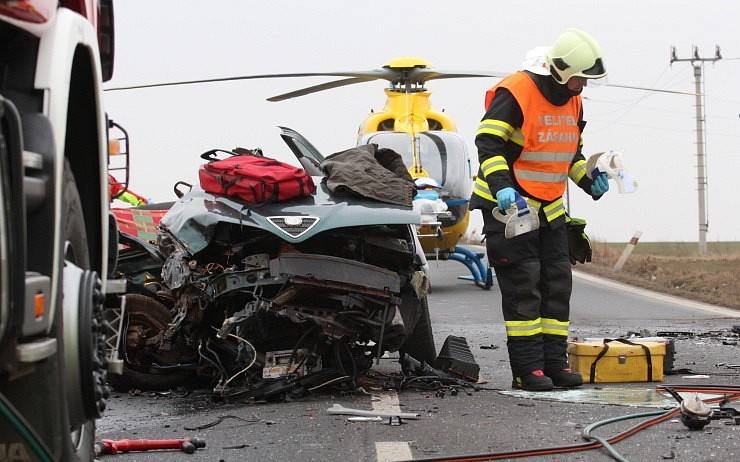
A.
x: 541, y: 177
x: 551, y: 137
x: 547, y: 156
x: 551, y: 211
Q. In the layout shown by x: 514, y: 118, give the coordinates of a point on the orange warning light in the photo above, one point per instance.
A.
x: 39, y: 309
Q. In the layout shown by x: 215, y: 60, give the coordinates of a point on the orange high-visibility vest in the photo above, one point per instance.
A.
x: 551, y: 137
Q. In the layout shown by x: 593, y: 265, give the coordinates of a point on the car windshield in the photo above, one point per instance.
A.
x: 443, y: 156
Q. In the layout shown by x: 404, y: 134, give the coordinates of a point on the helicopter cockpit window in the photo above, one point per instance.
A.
x: 443, y: 156
x: 386, y: 125
x: 398, y: 141
x: 434, y: 124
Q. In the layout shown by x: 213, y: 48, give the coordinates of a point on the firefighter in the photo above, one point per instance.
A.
x: 529, y: 143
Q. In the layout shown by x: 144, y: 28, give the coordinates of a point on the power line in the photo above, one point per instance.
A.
x: 633, y: 104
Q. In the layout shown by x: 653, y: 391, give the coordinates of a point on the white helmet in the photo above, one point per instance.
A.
x: 535, y: 61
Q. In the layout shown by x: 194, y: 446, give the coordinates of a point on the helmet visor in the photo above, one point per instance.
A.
x: 595, y: 71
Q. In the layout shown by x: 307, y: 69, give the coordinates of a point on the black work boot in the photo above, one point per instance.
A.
x: 565, y: 378
x: 534, y: 381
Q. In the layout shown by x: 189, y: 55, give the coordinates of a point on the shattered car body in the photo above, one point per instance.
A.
x: 273, y: 299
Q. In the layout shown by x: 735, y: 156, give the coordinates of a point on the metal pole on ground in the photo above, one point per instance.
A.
x: 627, y: 251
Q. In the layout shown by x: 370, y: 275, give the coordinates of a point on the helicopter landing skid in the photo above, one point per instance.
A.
x: 480, y: 273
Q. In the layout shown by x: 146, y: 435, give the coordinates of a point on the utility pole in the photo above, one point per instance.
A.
x: 701, y: 165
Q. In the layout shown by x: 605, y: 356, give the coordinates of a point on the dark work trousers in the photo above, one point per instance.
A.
x: 534, y: 275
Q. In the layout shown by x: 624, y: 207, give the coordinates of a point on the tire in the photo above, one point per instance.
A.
x: 74, y: 222
x: 75, y: 250
x: 133, y: 379
x: 420, y: 342
x: 141, y: 376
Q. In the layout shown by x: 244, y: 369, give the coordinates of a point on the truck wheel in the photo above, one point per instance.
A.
x: 420, y: 342
x: 76, y: 251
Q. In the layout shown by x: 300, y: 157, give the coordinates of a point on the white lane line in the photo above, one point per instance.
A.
x: 386, y: 400
x: 691, y: 304
x: 390, y: 451
x: 393, y: 451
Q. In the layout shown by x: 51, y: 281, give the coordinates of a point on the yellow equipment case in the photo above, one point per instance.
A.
x: 617, y: 360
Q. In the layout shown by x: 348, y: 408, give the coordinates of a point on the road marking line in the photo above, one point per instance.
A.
x: 393, y: 451
x: 390, y: 451
x: 719, y: 310
x: 386, y: 400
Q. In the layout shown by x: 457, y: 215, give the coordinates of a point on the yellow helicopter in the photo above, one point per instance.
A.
x: 435, y: 154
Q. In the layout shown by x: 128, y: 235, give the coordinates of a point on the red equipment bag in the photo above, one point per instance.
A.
x: 253, y: 178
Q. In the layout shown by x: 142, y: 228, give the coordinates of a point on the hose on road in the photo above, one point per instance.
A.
x: 730, y: 392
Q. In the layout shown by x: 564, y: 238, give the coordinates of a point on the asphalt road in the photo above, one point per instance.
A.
x: 484, y: 421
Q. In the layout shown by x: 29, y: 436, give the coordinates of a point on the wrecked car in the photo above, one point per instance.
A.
x: 272, y: 300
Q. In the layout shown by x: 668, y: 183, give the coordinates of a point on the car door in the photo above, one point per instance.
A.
x: 306, y: 153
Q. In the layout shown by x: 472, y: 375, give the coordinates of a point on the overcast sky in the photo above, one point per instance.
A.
x: 170, y: 40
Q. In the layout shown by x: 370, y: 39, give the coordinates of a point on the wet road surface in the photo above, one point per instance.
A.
x: 484, y: 421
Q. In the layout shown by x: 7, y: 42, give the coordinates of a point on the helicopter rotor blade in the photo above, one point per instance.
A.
x: 321, y: 87
x: 386, y: 74
x: 424, y: 75
x: 393, y: 75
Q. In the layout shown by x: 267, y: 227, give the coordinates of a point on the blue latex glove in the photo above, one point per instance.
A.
x: 600, y: 185
x: 505, y: 197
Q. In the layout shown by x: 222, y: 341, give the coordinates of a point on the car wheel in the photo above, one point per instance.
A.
x: 420, y: 342
x: 147, y: 317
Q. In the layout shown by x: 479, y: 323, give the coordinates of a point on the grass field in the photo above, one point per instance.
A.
x: 675, y: 268
x: 680, y: 249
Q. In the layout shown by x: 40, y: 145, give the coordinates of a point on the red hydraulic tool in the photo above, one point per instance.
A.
x: 187, y: 445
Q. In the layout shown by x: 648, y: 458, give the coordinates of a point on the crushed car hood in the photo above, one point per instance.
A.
x: 193, y: 219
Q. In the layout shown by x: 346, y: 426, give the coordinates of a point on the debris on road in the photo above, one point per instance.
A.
x: 455, y: 358
x: 606, y: 395
x: 365, y: 419
x: 695, y: 413
x: 237, y: 446
x: 338, y: 409
x: 489, y: 347
x: 253, y: 420
x: 186, y: 445
x: 731, y: 336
